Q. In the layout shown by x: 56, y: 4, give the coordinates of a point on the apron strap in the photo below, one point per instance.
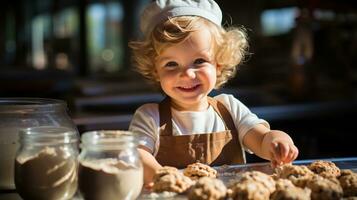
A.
x: 222, y: 111
x: 165, y: 117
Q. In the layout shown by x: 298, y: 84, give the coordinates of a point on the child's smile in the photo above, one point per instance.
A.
x: 191, y: 88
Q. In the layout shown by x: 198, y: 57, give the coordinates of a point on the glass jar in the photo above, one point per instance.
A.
x: 20, y: 113
x: 109, y: 166
x: 46, y: 163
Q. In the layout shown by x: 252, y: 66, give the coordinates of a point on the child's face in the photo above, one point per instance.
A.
x: 187, y: 71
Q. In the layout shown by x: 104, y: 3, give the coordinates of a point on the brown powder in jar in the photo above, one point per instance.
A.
x: 109, y: 179
x: 51, y: 174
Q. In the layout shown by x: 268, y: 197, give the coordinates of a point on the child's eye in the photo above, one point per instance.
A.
x: 171, y: 64
x: 200, y: 61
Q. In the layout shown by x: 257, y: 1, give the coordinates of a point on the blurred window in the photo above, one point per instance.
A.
x: 278, y: 21
x: 65, y: 42
x: 54, y: 40
x: 79, y: 36
x: 105, y: 37
x: 66, y: 23
x: 40, y: 34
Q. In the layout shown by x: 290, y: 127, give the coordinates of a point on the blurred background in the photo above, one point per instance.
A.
x: 301, y: 75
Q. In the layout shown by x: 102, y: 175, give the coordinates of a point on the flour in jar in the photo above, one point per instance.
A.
x: 109, y: 179
x: 50, y: 174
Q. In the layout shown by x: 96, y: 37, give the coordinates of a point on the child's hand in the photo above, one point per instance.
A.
x: 281, y: 148
x: 149, y: 186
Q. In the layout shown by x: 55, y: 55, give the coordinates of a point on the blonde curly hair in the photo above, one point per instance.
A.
x: 230, y: 45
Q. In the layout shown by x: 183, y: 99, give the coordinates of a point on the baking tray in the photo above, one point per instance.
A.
x: 227, y: 173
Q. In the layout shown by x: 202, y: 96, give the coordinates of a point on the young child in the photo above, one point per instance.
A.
x: 187, y: 53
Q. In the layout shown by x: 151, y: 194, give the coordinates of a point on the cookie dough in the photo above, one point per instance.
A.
x: 208, y: 188
x: 324, y: 188
x: 286, y: 190
x: 297, y: 174
x: 325, y: 168
x: 249, y: 190
x: 260, y: 177
x: 289, y: 171
x: 283, y: 183
x: 348, y: 181
x: 164, y: 171
x: 171, y: 180
x: 198, y: 170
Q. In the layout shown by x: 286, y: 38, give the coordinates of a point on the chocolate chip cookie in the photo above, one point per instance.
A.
x: 325, y: 168
x: 286, y: 190
x: 198, y: 170
x: 171, y: 180
x: 208, y: 188
x: 297, y: 174
x: 165, y: 170
x: 348, y: 181
x: 248, y: 190
x: 324, y: 188
x: 287, y: 171
x: 260, y: 177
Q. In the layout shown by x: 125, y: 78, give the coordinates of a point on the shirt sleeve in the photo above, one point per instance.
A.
x: 243, y: 118
x: 145, y: 123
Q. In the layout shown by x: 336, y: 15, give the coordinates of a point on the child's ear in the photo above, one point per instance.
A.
x: 156, y: 76
x: 154, y: 73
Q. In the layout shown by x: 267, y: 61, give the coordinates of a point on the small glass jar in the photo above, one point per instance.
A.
x: 22, y: 113
x: 110, y: 167
x: 46, y: 165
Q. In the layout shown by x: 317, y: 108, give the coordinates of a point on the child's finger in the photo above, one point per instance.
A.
x: 284, y: 151
x: 149, y: 186
x: 276, y: 152
x: 296, y: 153
x: 273, y: 158
x: 274, y: 164
x: 291, y: 155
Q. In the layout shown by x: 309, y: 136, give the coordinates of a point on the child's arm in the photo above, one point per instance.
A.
x: 149, y: 163
x: 272, y: 145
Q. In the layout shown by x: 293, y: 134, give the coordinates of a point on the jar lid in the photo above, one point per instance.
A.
x: 25, y: 105
x: 48, y: 135
x: 109, y: 139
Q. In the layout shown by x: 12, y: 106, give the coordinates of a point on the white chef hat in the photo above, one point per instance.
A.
x: 161, y: 10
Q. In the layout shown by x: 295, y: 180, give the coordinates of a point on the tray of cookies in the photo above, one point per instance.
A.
x: 303, y: 179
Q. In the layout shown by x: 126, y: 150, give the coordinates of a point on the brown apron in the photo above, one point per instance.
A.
x: 214, y: 149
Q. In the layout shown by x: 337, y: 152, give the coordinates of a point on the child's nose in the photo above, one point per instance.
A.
x: 189, y: 72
